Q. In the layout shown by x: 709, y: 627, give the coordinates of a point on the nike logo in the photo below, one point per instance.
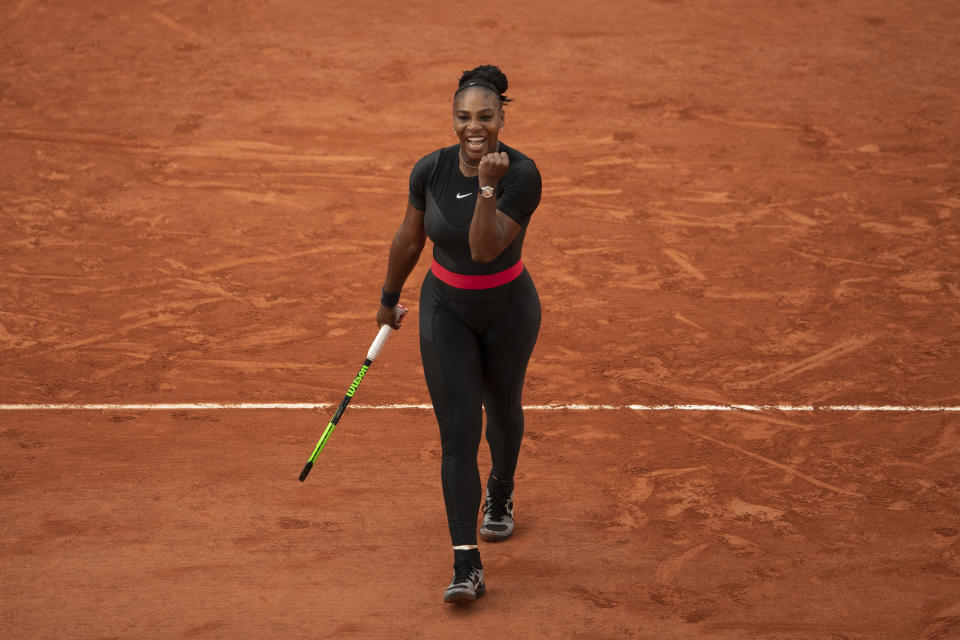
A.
x: 461, y: 196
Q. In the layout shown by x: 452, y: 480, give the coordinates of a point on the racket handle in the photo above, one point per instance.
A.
x: 385, y: 331
x: 379, y: 341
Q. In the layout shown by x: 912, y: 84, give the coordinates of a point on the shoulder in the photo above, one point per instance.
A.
x: 523, y: 170
x: 435, y: 157
x: 428, y: 166
x: 425, y: 168
x: 521, y: 163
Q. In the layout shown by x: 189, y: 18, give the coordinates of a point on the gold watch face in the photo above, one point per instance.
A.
x: 486, y: 191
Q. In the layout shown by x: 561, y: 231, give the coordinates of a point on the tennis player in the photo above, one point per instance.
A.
x: 479, y: 310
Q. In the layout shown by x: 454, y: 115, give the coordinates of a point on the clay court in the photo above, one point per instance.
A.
x: 745, y: 203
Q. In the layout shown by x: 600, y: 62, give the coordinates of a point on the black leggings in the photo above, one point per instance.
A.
x: 475, y: 346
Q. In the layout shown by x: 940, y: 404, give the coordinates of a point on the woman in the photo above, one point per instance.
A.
x: 479, y: 309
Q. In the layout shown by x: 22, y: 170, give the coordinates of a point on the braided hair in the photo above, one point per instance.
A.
x: 486, y: 76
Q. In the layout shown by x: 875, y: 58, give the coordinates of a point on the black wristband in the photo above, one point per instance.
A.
x: 389, y: 299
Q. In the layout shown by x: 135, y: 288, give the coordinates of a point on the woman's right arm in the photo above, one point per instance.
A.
x: 407, y: 245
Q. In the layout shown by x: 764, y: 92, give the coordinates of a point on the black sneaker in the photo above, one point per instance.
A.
x: 467, y: 584
x: 497, y: 517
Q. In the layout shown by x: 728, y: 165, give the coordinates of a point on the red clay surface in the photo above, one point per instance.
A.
x: 744, y: 202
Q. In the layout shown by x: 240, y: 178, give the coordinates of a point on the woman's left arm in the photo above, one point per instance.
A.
x: 491, y: 231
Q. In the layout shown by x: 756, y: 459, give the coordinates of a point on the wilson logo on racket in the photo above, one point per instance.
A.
x: 356, y: 381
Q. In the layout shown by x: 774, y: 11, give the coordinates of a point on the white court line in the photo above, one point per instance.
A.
x: 207, y: 406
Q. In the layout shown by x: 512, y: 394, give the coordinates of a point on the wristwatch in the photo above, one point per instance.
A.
x: 486, y: 192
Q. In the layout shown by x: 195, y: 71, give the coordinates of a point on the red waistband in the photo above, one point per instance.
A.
x: 488, y: 281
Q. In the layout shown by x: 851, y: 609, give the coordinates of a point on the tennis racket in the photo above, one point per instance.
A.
x: 372, y: 354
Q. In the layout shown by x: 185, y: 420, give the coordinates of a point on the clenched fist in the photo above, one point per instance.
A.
x: 492, y: 167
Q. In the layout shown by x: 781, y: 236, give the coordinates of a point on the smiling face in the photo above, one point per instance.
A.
x: 477, y: 119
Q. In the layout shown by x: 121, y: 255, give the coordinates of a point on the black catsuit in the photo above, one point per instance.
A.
x: 475, y: 343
